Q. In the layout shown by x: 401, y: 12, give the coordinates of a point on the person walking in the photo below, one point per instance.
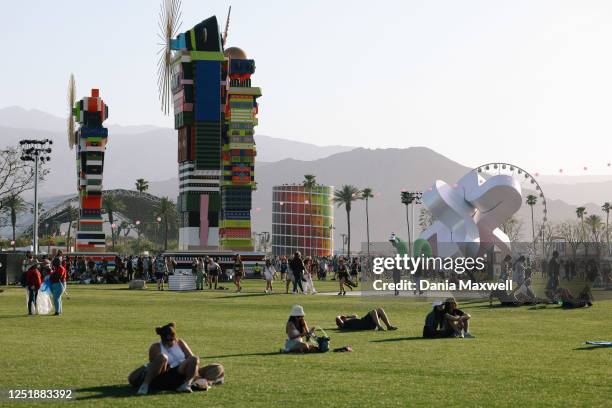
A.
x: 238, y: 272
x: 33, y: 281
x: 268, y: 274
x: 58, y: 284
x: 297, y: 267
x: 214, y: 270
x: 309, y: 269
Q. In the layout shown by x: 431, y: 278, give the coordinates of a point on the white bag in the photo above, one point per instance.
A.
x: 44, y: 304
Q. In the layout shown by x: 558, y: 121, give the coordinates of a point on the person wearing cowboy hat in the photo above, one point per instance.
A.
x: 34, y: 281
x: 296, y: 328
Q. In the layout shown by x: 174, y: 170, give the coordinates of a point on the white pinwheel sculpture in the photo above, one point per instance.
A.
x: 470, y: 213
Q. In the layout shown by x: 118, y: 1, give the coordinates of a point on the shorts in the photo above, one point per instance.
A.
x: 214, y: 272
x: 168, y: 380
x: 293, y: 344
x: 431, y: 333
x: 343, y: 275
x: 237, y: 274
x: 365, y: 323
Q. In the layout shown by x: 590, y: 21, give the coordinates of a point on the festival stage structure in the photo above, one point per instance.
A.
x: 215, y: 111
x: 470, y: 213
x: 90, y: 141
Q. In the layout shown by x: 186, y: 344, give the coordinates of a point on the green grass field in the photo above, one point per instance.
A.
x: 521, y: 356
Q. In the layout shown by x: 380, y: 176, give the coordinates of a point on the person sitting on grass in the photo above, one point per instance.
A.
x: 456, y: 319
x: 434, y: 323
x: 172, y: 365
x: 371, y: 321
x: 296, y: 329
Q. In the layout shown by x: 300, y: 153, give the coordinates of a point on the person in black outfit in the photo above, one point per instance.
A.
x: 554, y: 267
x: 297, y: 266
x: 371, y: 321
x: 130, y: 269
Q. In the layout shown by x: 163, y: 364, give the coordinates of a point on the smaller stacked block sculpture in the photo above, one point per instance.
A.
x: 90, y: 140
x: 238, y: 152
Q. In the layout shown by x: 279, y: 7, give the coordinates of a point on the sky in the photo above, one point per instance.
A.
x: 525, y: 82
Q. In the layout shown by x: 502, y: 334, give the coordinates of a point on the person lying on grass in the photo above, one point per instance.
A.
x: 172, y: 365
x: 568, y: 301
x: 456, y: 319
x: 371, y: 321
x: 434, y: 323
x: 296, y: 329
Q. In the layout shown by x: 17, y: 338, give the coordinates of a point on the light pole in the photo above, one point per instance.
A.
x: 137, y: 223
x: 331, y: 239
x: 158, y: 219
x: 35, y: 150
x: 409, y: 198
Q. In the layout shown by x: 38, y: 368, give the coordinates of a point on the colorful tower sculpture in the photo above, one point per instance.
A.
x: 214, y: 114
x: 238, y: 151
x: 90, y: 140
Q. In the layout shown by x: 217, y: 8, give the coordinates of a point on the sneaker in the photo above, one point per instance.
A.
x: 314, y: 292
x: 143, y: 390
x: 392, y: 328
x: 469, y: 335
x: 185, y: 387
x: 459, y: 336
x: 339, y: 293
x: 344, y: 293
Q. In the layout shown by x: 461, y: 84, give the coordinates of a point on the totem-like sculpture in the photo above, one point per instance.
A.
x: 214, y: 113
x: 469, y: 214
x: 90, y: 141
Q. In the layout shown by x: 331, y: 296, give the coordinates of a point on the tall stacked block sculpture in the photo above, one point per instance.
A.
x: 90, y: 141
x: 214, y: 113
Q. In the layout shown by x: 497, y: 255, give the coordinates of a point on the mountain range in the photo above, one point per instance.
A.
x: 150, y: 152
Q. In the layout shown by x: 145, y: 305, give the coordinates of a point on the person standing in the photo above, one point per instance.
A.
x: 160, y: 272
x: 297, y: 267
x: 58, y: 284
x: 130, y: 268
x: 343, y: 276
x: 199, y: 274
x: 238, y: 272
x: 34, y: 281
x: 554, y: 267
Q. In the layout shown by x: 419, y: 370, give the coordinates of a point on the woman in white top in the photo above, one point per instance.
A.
x: 296, y: 328
x: 268, y: 274
x: 308, y: 271
x: 172, y: 365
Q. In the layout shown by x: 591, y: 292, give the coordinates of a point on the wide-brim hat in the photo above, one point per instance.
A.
x: 297, y: 311
x: 437, y: 303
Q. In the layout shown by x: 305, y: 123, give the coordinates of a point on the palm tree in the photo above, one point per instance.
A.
x: 531, y: 201
x: 594, y: 222
x: 366, y: 194
x: 310, y: 182
x: 606, y: 208
x: 167, y: 211
x: 14, y: 205
x: 345, y: 196
x: 580, y: 213
x: 111, y: 204
x: 72, y: 213
x: 142, y: 185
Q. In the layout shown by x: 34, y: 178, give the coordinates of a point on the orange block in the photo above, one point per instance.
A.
x: 91, y: 202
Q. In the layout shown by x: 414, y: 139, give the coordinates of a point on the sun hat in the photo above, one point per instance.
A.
x: 437, y: 303
x: 297, y: 311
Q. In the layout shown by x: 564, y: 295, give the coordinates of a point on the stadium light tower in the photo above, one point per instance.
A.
x: 36, y: 151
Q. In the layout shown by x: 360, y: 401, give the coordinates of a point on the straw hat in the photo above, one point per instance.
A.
x: 296, y: 311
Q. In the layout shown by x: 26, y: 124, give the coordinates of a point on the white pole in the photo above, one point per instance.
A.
x: 35, y: 229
